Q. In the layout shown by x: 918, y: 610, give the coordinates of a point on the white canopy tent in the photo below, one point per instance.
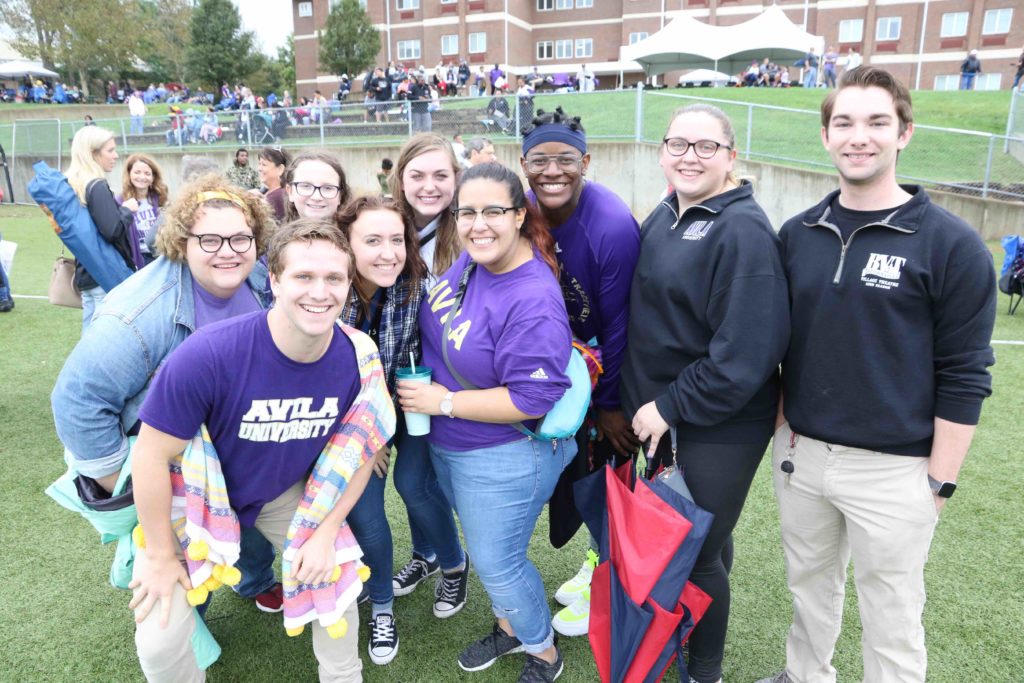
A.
x: 686, y: 43
x: 706, y: 76
x: 22, y: 67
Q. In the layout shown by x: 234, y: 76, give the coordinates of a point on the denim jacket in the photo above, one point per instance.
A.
x: 102, y: 385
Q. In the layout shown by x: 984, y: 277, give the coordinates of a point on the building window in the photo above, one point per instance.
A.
x: 584, y: 47
x: 954, y: 25
x: 563, y: 4
x: 948, y: 82
x: 478, y: 42
x: 582, y: 4
x: 636, y: 37
x: 305, y: 9
x: 407, y: 4
x: 851, y: 30
x: 545, y: 49
x: 408, y: 49
x: 987, y: 81
x: 545, y: 5
x: 997, y: 21
x: 563, y: 49
x: 450, y: 44
x: 888, y: 28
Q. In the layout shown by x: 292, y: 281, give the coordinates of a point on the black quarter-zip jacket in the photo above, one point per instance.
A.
x: 709, y: 319
x: 890, y: 330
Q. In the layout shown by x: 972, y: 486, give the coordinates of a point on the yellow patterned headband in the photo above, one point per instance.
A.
x: 220, y: 194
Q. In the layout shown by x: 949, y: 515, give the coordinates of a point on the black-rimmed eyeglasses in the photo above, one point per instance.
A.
x: 705, y: 149
x: 492, y: 214
x: 211, y: 243
x: 307, y: 190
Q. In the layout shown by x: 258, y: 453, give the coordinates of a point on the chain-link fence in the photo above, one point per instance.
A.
x: 969, y: 162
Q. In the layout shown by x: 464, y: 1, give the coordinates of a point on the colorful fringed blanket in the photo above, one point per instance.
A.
x: 208, y: 528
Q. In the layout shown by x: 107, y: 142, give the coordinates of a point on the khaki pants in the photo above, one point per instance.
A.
x: 877, y: 508
x: 166, y: 654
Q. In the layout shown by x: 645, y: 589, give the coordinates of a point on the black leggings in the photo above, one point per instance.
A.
x: 719, y: 476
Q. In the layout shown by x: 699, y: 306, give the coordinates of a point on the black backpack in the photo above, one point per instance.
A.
x: 1011, y: 278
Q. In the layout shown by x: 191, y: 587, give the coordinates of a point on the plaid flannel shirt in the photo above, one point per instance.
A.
x: 399, y: 333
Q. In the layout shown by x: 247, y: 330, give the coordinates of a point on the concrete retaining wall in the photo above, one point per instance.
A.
x: 631, y: 169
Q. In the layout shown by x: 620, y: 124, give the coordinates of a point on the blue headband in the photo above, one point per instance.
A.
x: 554, y: 132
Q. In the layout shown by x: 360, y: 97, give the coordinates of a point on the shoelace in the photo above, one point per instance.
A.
x: 448, y: 588
x: 410, y: 569
x: 383, y: 629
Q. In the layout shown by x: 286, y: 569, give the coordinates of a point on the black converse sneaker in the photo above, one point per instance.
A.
x: 486, y: 651
x: 413, y: 574
x: 450, y: 592
x: 536, y: 670
x: 383, y: 638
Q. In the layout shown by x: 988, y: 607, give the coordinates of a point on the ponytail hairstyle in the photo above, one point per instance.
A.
x: 727, y: 128
x: 413, y: 272
x: 534, y: 228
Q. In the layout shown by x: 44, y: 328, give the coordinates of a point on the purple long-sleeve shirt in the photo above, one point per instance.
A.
x: 597, y: 250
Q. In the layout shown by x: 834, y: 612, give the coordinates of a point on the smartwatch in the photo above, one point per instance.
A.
x: 448, y: 406
x: 942, y: 489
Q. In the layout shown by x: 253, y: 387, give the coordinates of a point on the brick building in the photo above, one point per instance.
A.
x: 921, y: 41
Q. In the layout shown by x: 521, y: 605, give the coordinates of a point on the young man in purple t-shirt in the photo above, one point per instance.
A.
x: 271, y: 388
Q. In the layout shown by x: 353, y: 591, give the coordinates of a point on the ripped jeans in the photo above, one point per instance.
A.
x: 498, y: 493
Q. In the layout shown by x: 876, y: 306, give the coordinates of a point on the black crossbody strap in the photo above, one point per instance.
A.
x: 463, y: 382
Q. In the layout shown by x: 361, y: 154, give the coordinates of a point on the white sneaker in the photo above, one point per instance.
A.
x: 383, y: 639
x: 574, y: 620
x: 569, y: 591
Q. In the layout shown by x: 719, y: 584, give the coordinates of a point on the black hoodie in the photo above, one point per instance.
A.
x: 890, y: 330
x: 709, y: 319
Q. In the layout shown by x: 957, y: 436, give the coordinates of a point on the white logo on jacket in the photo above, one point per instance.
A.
x: 882, y: 271
x: 697, y: 229
x: 539, y: 374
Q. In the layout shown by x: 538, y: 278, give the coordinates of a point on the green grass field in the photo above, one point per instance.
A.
x: 63, y: 622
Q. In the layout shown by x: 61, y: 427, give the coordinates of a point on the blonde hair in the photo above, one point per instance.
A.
x: 448, y: 247
x: 84, y: 168
x: 172, y: 238
x: 158, y: 187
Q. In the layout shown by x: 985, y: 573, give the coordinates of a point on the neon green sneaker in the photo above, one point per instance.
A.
x: 574, y: 620
x: 569, y: 591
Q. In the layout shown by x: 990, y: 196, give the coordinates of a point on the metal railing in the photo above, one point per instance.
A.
x: 969, y: 162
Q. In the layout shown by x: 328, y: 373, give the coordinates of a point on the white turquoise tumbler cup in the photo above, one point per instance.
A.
x: 417, y: 424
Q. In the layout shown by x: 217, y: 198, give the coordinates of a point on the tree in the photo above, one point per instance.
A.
x: 219, y: 49
x: 166, y: 30
x: 85, y: 37
x: 349, y: 43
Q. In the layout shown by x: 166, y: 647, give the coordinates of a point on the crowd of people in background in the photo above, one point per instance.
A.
x: 238, y: 279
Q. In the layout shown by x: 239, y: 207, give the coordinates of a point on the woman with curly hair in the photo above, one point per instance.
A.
x: 143, y: 181
x: 208, y: 271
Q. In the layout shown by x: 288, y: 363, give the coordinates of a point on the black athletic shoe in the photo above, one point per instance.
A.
x: 413, y: 574
x: 450, y: 592
x: 486, y: 651
x: 6, y: 305
x: 536, y: 670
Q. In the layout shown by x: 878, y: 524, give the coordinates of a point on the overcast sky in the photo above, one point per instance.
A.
x: 270, y: 19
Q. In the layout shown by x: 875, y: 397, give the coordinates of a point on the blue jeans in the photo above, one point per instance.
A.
x: 967, y: 81
x: 137, y: 125
x: 811, y: 77
x: 256, y: 562
x: 431, y: 521
x: 498, y: 494
x: 91, y: 298
x: 5, y: 283
x: 369, y: 524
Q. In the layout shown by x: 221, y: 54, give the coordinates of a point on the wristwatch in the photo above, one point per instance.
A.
x: 447, y: 406
x: 942, y: 489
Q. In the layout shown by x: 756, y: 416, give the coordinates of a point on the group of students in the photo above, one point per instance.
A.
x: 487, y: 283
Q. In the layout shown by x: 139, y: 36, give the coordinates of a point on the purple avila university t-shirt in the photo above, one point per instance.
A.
x: 268, y: 416
x: 512, y: 331
x: 211, y: 308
